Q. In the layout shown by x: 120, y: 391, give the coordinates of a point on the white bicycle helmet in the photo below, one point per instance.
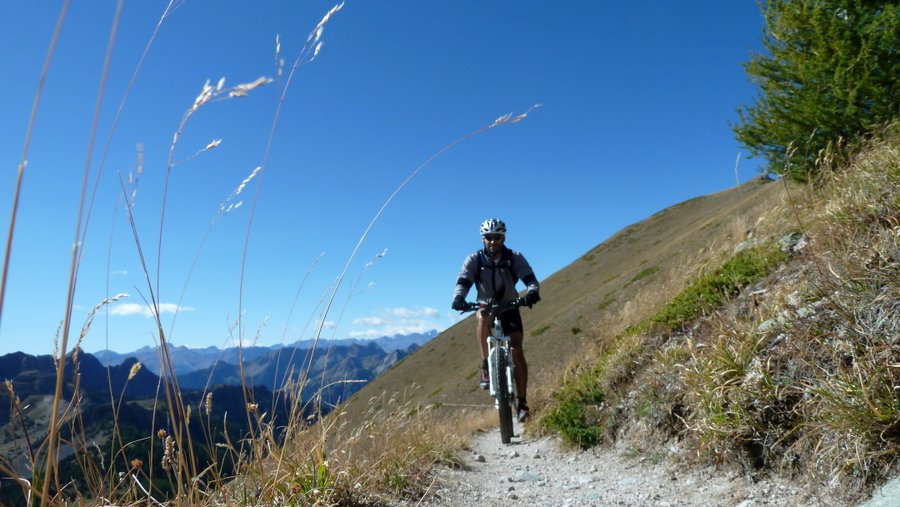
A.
x: 493, y: 226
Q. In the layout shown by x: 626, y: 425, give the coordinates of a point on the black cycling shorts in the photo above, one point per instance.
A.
x: 510, y: 322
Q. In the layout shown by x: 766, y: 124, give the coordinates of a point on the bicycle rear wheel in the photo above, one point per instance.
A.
x: 504, y: 403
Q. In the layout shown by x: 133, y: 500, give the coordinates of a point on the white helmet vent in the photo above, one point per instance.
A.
x: 493, y: 226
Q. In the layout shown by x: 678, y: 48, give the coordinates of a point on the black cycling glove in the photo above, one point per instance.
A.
x: 459, y: 304
x: 531, y: 297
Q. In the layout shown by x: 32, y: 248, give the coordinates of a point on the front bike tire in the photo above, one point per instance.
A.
x: 504, y: 403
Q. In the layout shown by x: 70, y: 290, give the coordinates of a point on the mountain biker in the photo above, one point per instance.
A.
x: 494, y: 270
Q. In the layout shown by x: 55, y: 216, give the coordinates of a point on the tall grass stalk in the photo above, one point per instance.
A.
x: 52, y: 456
x: 29, y: 130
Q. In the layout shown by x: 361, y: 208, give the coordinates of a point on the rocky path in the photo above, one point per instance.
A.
x: 539, y: 472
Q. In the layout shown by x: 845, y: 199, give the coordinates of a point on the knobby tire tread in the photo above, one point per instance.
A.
x: 504, y: 407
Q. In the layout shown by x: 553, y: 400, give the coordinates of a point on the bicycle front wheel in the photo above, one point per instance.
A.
x: 504, y: 403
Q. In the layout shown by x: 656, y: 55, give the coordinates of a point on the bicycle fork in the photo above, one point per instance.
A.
x: 495, y: 347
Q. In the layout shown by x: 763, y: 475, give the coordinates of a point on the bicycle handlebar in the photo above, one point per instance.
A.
x: 494, y: 308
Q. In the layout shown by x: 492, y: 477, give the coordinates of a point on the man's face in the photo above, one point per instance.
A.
x: 493, y: 243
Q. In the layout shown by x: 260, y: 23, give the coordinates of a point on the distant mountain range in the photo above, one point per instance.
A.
x: 329, y: 374
x: 359, y: 363
x: 36, y: 376
x: 188, y: 360
x: 343, y: 365
x: 128, y: 411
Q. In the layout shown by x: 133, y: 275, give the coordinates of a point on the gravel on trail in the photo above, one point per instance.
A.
x: 541, y: 472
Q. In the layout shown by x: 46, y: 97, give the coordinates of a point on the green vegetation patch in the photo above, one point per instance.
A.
x: 607, y: 300
x: 578, y: 410
x: 569, y: 418
x: 540, y: 330
x: 644, y: 273
x: 569, y: 414
x: 722, y: 284
x: 577, y: 413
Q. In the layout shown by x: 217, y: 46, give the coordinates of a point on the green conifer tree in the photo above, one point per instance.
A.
x: 829, y: 75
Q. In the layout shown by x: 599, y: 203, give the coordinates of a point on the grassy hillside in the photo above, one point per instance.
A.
x: 645, y: 261
x: 757, y: 327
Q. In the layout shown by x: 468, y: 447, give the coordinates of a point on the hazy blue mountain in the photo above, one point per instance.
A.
x: 344, y: 366
x: 187, y: 360
x: 184, y: 359
x: 388, y: 343
x: 37, y: 374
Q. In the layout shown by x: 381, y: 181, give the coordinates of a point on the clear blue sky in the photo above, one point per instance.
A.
x: 636, y: 103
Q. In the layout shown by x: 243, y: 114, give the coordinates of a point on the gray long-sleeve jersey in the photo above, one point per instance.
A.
x: 495, y: 281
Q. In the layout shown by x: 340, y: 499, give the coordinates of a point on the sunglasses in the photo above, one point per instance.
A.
x: 493, y: 237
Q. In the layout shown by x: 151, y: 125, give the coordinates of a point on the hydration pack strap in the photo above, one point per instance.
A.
x: 505, y: 262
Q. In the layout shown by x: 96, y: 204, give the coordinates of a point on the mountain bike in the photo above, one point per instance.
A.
x: 500, y: 366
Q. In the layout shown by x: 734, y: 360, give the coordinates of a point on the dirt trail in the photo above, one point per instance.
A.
x: 540, y: 472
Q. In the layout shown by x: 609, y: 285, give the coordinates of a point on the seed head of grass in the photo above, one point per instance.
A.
x: 169, y: 458
x: 135, y: 368
x: 90, y: 318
